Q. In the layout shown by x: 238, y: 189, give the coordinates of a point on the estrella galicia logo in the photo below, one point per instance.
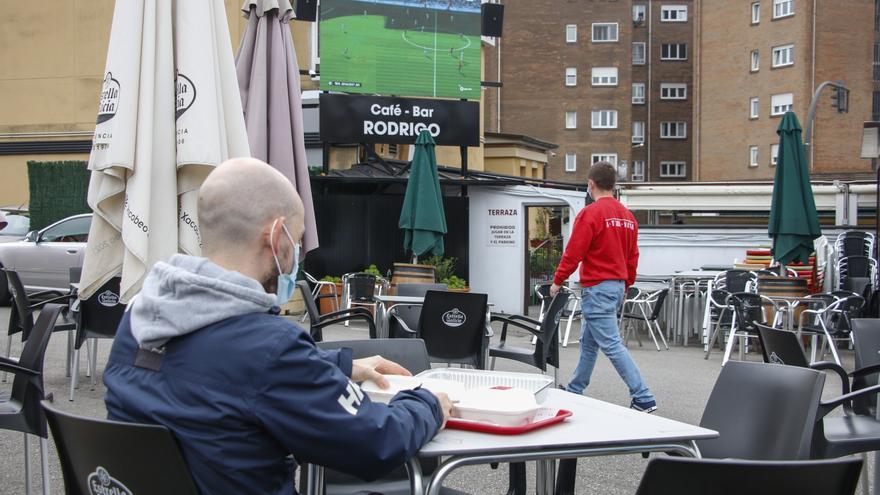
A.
x: 186, y: 94
x: 775, y: 359
x: 454, y: 318
x: 108, y: 298
x: 101, y: 483
x: 109, y: 99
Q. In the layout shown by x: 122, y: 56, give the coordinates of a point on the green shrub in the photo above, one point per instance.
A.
x: 57, y: 191
x: 373, y: 270
x: 454, y: 282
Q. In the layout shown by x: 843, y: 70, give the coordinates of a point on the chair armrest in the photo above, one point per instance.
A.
x: 501, y: 316
x: 867, y: 370
x: 841, y: 373
x: 510, y: 321
x: 55, y: 300
x: 352, y: 311
x: 827, y: 407
x: 343, y: 318
x: 403, y: 325
x: 46, y: 293
x: 31, y: 376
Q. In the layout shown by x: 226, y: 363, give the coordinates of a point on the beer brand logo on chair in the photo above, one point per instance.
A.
x: 775, y: 359
x: 108, y: 298
x: 101, y: 483
x: 186, y: 94
x: 454, y: 318
x: 109, y: 99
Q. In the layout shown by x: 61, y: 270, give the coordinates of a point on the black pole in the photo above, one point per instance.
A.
x: 325, y: 158
x: 464, y: 160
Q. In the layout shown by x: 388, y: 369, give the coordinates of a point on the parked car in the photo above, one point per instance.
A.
x: 13, y: 226
x: 43, y: 258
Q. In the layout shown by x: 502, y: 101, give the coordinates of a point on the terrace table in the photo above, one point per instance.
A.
x: 679, y: 283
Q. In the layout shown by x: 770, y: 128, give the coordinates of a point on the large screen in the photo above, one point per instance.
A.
x: 401, y: 47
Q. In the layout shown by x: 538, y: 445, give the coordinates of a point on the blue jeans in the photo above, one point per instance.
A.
x: 599, y: 330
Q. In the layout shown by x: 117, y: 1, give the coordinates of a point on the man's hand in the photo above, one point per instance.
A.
x: 372, y: 368
x: 554, y: 289
x: 445, y: 406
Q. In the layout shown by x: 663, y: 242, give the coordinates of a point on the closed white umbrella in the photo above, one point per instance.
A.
x: 156, y: 138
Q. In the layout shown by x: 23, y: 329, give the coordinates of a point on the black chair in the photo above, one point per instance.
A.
x: 855, y: 266
x: 719, y: 313
x: 866, y: 344
x: 97, y: 317
x: 643, y: 306
x: 681, y: 476
x: 853, y: 246
x: 108, y: 455
x: 409, y: 313
x: 546, y: 350
x: 319, y: 321
x: 21, y: 411
x: 834, y: 321
x: 748, y: 311
x: 453, y: 326
x: 360, y: 289
x: 571, y: 311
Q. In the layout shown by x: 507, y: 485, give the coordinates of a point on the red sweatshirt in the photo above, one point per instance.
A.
x: 605, y: 242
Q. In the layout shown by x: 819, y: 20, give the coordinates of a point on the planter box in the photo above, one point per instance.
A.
x: 466, y: 289
x: 325, y: 305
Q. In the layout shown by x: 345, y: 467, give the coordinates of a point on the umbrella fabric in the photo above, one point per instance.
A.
x: 794, y: 222
x: 422, y: 217
x: 268, y: 77
x: 144, y: 117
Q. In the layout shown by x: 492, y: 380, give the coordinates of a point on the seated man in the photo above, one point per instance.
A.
x: 203, y: 352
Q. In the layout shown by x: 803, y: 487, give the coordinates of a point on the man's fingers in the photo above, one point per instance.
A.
x: 377, y: 378
x: 391, y: 368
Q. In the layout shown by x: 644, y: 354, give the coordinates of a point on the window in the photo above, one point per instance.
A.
x: 571, y: 76
x: 571, y: 33
x: 605, y: 119
x: 571, y: 120
x: 605, y: 32
x: 673, y: 51
x: 753, y: 156
x: 877, y: 17
x: 783, y: 8
x: 73, y: 230
x: 673, y: 130
x: 756, y: 12
x: 571, y: 162
x: 673, y: 13
x: 638, y: 174
x: 875, y: 105
x: 754, y: 108
x: 314, y: 48
x: 638, y: 13
x: 756, y: 61
x: 639, y: 53
x: 604, y: 76
x: 638, y: 132
x: 774, y: 154
x: 604, y: 157
x: 638, y: 93
x: 779, y: 104
x: 669, y: 91
x: 673, y: 169
x: 783, y: 56
x: 876, y: 62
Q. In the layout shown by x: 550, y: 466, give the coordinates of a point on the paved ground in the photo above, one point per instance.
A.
x: 680, y: 378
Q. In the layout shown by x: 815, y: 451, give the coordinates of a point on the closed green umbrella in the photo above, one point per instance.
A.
x: 422, y: 216
x: 794, y: 222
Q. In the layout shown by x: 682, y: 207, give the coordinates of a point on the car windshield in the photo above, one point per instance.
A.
x: 17, y: 225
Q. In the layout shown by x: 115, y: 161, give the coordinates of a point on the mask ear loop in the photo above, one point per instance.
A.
x: 272, y: 246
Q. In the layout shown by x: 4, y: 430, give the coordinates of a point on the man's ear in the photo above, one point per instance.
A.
x: 275, y: 231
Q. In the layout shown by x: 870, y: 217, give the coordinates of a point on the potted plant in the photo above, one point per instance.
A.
x: 444, y: 273
x: 325, y: 304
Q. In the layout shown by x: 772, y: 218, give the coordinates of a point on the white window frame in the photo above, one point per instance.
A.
x: 754, y: 107
x: 600, y: 73
x: 680, y: 169
x: 667, y: 11
x: 571, y: 119
x: 644, y: 51
x: 679, y: 47
x: 638, y: 171
x: 314, y: 54
x: 571, y: 76
x: 679, y: 128
x: 638, y: 131
x: 612, y: 26
x: 781, y: 103
x: 571, y: 162
x: 604, y: 119
x: 673, y: 91
x: 756, y: 12
x: 754, y: 61
x: 639, y: 8
x: 777, y: 54
x: 753, y: 156
x: 783, y: 8
x: 571, y: 33
x: 638, y: 95
x: 608, y: 157
x: 774, y: 154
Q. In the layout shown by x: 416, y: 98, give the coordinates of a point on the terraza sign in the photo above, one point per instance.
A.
x: 377, y: 119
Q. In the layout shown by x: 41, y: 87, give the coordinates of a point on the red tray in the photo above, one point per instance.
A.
x: 458, y: 424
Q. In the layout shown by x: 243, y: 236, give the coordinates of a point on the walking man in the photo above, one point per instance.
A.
x: 604, y: 242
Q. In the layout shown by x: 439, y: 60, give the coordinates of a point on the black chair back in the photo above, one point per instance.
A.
x: 309, y: 301
x: 762, y: 412
x: 658, y: 304
x: 841, y: 315
x: 547, y: 347
x: 737, y: 280
x: 781, y: 347
x: 409, y: 353
x: 855, y: 266
x: 101, y: 456
x: 453, y: 326
x: 418, y: 290
x: 854, y: 246
x: 21, y: 318
x: 682, y: 476
x: 99, y: 315
x: 361, y: 287
x: 748, y: 308
x: 410, y: 313
x: 866, y: 346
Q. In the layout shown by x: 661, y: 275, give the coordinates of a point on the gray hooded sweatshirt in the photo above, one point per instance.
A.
x: 189, y: 293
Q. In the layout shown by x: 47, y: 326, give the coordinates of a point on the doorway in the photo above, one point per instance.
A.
x: 543, y: 245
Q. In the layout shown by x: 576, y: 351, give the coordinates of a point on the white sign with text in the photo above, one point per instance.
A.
x: 503, y: 227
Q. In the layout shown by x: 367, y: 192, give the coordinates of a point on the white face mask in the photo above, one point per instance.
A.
x: 286, y: 281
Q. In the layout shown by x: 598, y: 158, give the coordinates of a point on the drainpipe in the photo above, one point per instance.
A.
x: 813, y: 80
x: 648, y: 56
x: 498, y: 78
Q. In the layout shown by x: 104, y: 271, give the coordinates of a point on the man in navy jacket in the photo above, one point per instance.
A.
x: 203, y: 352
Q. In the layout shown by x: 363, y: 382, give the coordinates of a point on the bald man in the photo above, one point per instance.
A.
x: 203, y: 352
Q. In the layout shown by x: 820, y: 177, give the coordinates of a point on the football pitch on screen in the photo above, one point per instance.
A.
x: 359, y: 54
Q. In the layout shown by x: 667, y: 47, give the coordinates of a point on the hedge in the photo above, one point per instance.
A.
x: 57, y: 190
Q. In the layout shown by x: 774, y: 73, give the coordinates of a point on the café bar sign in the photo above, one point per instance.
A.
x: 380, y: 119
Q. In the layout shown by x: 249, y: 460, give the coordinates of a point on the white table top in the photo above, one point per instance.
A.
x: 594, y: 423
x: 385, y: 298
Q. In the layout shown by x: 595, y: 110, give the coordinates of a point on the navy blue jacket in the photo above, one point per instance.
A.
x: 242, y: 394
